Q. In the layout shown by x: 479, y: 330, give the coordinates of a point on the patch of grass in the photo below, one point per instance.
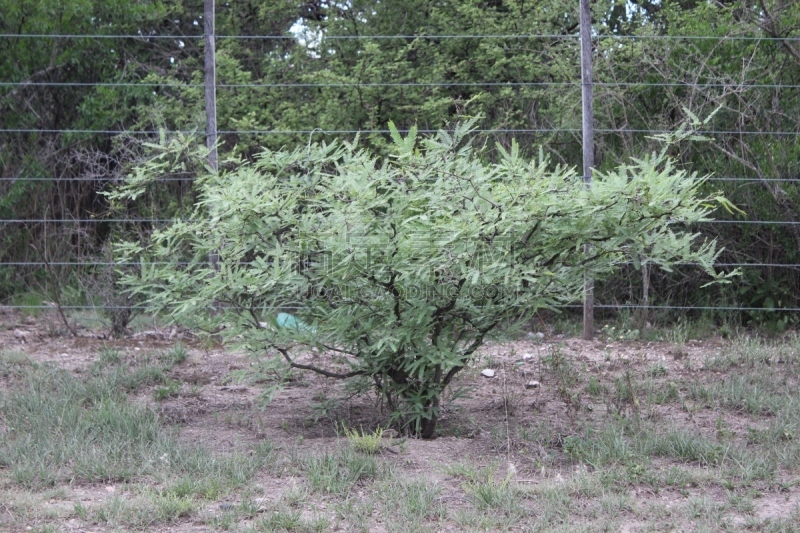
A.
x: 365, y: 442
x: 609, y: 445
x: 595, y: 388
x: 294, y: 497
x: 470, y: 472
x: 61, y: 428
x: 657, y: 371
x: 209, y: 487
x: 685, y: 446
x: 661, y: 396
x: 32, y: 302
x: 753, y: 394
x: 280, y: 520
x: 108, y: 356
x: 474, y: 520
x: 622, y: 444
x: 174, y: 356
x: 562, y: 368
x: 356, y: 512
x: 232, y: 515
x: 705, y: 508
x: 336, y: 472
x: 678, y: 477
x: 411, y: 502
x: 542, y: 434
x: 13, y: 363
x: 21, y: 508
x: 753, y: 352
x: 742, y: 502
x: 144, y: 511
x: 488, y: 495
x: 291, y: 520
x: 171, y: 388
x: 614, y: 504
x: 552, y: 503
x: 80, y: 510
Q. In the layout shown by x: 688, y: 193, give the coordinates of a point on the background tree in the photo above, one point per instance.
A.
x: 312, y: 66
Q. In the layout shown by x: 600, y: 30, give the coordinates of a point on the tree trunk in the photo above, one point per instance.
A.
x: 429, y: 424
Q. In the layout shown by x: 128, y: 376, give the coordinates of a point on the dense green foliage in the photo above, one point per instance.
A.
x: 400, y: 267
x: 426, y: 79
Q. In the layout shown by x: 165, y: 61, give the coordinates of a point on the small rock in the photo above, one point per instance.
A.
x: 226, y: 506
x: 532, y: 385
x: 111, y: 490
x: 21, y: 336
x: 527, y: 356
x: 487, y: 373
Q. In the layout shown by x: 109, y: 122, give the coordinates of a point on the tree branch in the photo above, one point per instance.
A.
x: 312, y: 368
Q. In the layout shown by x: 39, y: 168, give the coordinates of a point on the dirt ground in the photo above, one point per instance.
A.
x: 488, y: 427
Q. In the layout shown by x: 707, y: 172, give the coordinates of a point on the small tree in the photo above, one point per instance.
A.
x: 396, y: 270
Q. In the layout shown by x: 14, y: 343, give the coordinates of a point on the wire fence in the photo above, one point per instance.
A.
x: 575, y: 36
x: 102, y: 181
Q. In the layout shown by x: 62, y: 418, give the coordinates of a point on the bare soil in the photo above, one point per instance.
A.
x: 483, y: 428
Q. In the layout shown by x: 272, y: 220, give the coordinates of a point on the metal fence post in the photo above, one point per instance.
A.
x: 588, y: 146
x: 211, y: 97
x: 211, y: 84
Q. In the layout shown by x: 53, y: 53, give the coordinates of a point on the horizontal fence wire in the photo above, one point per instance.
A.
x: 166, y: 220
x: 319, y: 131
x: 186, y: 263
x: 402, y: 84
x: 576, y: 36
x: 564, y: 306
x: 192, y: 178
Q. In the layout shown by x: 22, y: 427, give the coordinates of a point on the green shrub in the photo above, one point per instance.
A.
x: 397, y: 269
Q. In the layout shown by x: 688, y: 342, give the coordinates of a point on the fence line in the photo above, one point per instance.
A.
x: 143, y: 37
x: 564, y: 306
x: 400, y: 84
x: 187, y: 263
x: 166, y: 220
x: 168, y: 179
x: 319, y: 131
x: 387, y: 84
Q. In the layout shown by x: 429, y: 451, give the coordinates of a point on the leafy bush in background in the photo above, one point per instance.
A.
x: 397, y: 269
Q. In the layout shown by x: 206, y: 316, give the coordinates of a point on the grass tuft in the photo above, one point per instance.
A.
x: 336, y: 472
x: 364, y: 442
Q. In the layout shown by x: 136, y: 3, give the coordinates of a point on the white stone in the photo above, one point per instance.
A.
x: 532, y: 385
x: 487, y: 373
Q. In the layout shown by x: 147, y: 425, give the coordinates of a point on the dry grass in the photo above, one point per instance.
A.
x: 705, y: 441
